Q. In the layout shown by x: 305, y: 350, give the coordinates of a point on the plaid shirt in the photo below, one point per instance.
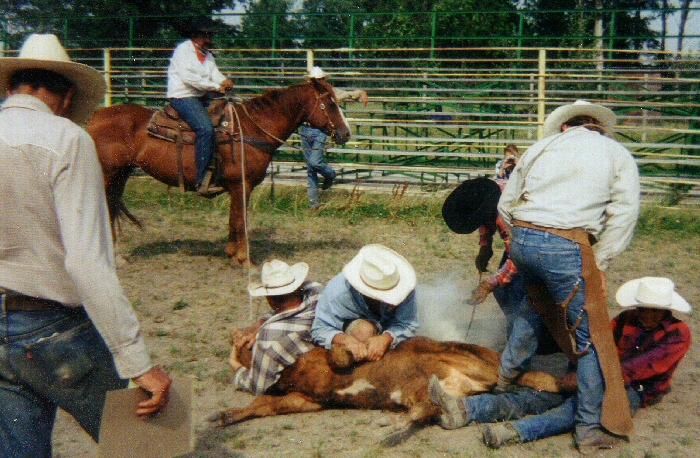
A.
x: 649, y: 357
x: 507, y: 269
x: 279, y: 343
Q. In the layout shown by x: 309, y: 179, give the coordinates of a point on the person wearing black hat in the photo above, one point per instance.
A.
x: 471, y: 206
x: 192, y: 74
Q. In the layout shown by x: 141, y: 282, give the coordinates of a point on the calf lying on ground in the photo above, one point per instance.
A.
x: 398, y: 382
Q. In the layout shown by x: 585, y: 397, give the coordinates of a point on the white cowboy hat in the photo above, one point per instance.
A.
x: 652, y: 292
x: 606, y: 117
x: 317, y: 73
x: 381, y: 273
x: 278, y: 278
x: 45, y: 52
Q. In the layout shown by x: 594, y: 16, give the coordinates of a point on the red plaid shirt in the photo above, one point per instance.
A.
x: 649, y: 356
x: 505, y: 272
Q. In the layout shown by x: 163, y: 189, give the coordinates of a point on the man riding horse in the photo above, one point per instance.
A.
x: 191, y: 75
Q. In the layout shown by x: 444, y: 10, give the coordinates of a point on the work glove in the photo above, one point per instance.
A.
x: 480, y: 293
x: 482, y: 259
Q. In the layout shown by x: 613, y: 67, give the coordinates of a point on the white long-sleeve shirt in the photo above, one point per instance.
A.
x: 55, y: 238
x: 578, y: 179
x: 188, y: 77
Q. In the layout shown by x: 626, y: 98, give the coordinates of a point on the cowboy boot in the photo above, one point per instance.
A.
x: 207, y: 190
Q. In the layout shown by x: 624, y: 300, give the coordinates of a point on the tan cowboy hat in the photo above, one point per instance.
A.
x: 651, y: 292
x: 45, y: 52
x: 381, y: 273
x: 606, y: 117
x: 317, y: 73
x: 278, y: 278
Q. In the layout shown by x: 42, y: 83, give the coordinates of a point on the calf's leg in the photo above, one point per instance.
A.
x: 268, y: 405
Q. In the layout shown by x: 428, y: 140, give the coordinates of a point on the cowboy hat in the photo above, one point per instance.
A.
x: 471, y: 204
x: 651, y: 292
x: 317, y: 73
x: 278, y: 278
x: 381, y: 273
x: 605, y: 116
x: 44, y: 52
x: 202, y: 25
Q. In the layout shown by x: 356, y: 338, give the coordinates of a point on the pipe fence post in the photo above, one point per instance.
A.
x: 540, y: 93
x: 309, y: 60
x: 107, y: 53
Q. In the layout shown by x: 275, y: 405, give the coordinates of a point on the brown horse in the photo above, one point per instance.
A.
x: 123, y: 144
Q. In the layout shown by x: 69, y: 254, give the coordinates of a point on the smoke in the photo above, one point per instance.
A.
x: 444, y: 314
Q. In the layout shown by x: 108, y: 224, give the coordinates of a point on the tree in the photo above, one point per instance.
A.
x: 97, y: 23
x: 569, y: 23
x: 267, y: 25
x: 408, y: 23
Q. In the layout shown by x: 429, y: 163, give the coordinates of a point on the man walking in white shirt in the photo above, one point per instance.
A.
x: 67, y: 332
x: 569, y: 189
x: 191, y: 75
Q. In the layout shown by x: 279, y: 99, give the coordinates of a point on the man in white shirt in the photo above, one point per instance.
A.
x: 67, y: 332
x: 569, y: 189
x: 192, y: 74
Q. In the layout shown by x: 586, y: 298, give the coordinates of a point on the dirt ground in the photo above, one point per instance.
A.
x: 188, y: 299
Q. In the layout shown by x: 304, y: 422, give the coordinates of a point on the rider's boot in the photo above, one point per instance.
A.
x: 206, y: 189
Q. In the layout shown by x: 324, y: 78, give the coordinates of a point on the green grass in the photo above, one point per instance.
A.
x: 146, y: 196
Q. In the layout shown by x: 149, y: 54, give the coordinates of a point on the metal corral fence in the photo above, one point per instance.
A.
x: 508, y: 27
x: 443, y: 120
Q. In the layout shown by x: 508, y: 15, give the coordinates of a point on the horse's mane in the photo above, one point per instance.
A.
x: 270, y: 98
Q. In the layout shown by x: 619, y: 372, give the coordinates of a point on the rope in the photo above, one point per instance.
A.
x: 471, y: 320
x: 252, y: 309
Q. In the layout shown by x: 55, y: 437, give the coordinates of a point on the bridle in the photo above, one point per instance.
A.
x: 318, y: 105
x: 324, y: 109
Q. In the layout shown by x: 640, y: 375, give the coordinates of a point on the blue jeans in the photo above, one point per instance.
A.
x: 522, y: 342
x: 313, y: 144
x: 50, y: 360
x: 521, y: 401
x: 538, y: 414
x: 193, y: 111
x: 545, y: 258
x: 510, y: 298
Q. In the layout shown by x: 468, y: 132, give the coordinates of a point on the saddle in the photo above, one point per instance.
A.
x: 166, y: 124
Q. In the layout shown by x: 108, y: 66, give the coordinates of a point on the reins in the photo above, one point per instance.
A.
x: 252, y: 309
x: 318, y: 104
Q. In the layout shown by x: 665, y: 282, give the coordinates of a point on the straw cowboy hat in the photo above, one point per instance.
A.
x: 381, y: 273
x: 278, y: 278
x: 471, y: 204
x: 606, y: 117
x: 652, y: 292
x: 45, y: 52
x: 317, y: 73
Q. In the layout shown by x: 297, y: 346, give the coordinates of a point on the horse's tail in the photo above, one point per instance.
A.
x: 115, y: 203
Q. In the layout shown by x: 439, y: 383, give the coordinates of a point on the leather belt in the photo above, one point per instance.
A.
x: 575, y: 235
x: 15, y: 302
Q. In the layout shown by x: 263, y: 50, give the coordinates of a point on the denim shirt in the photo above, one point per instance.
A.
x: 340, y: 303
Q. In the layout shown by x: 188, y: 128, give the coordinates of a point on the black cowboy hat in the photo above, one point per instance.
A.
x: 471, y: 204
x: 202, y: 25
